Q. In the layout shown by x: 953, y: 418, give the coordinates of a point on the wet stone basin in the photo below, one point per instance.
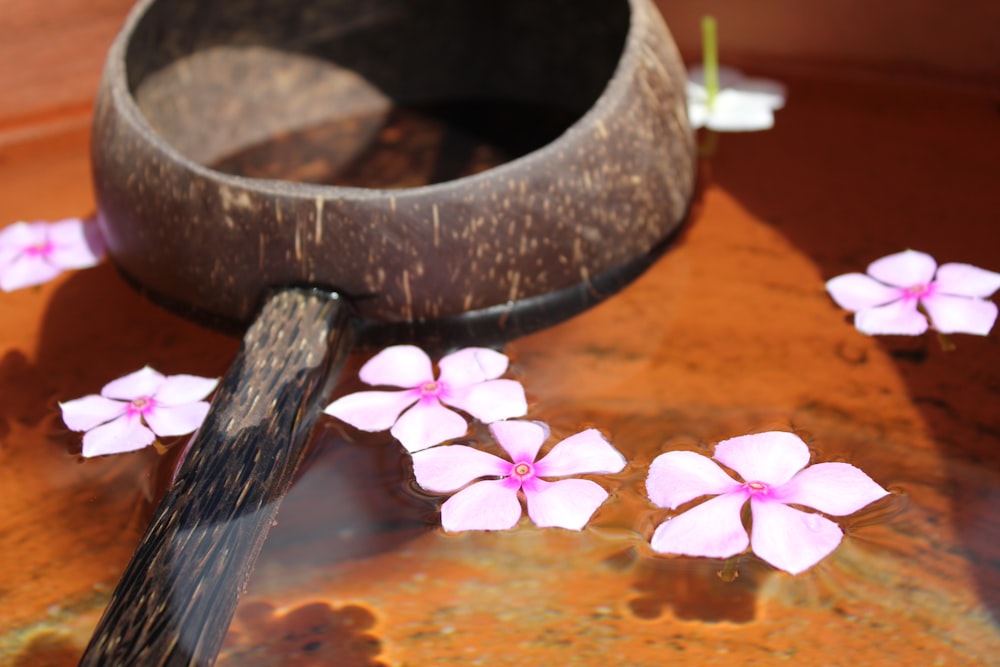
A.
x: 730, y: 332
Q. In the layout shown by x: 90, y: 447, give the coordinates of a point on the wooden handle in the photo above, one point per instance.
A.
x: 177, y: 596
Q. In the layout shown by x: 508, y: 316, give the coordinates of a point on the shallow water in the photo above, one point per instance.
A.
x: 403, y: 146
x: 729, y: 333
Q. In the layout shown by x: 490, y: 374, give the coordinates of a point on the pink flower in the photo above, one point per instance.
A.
x: 36, y: 252
x: 493, y: 504
x: 467, y: 382
x: 114, y: 420
x: 886, y: 301
x: 773, y: 468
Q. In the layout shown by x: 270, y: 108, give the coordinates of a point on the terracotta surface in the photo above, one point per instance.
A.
x: 730, y: 332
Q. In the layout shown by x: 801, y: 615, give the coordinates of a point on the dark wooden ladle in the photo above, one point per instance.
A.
x: 189, y: 84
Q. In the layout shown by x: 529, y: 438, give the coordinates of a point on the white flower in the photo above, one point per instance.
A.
x: 742, y: 104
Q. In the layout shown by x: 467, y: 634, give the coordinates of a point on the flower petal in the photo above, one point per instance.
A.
x: 520, y: 439
x: 958, y: 314
x: 966, y: 280
x: 856, y: 291
x: 490, y: 401
x: 7, y: 254
x: 180, y: 389
x: 486, y: 505
x: 568, y: 503
x: 75, y: 245
x: 695, y: 92
x: 21, y: 235
x: 83, y: 414
x: 766, y: 92
x: 679, y: 477
x: 788, y: 539
x: 428, y: 423
x: 26, y: 271
x: 583, y: 452
x: 697, y: 114
x: 904, y: 269
x: 398, y: 366
x: 772, y: 457
x: 372, y: 410
x: 143, y: 382
x: 124, y: 434
x: 899, y: 318
x: 735, y: 111
x: 168, y: 420
x: 713, y: 529
x: 833, y: 488
x: 471, y: 365
x: 450, y: 467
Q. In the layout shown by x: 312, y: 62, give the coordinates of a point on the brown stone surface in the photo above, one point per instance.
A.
x: 730, y: 332
x: 913, y: 39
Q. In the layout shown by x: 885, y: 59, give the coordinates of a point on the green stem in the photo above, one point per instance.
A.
x: 947, y: 344
x: 710, y: 145
x: 730, y: 570
x: 710, y: 57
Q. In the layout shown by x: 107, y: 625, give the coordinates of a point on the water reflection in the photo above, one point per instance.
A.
x: 312, y: 633
x: 693, y: 589
x: 48, y: 649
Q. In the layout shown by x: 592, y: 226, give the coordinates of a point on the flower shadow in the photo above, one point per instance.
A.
x: 314, y: 633
x: 694, y: 590
x: 75, y: 521
x: 96, y: 328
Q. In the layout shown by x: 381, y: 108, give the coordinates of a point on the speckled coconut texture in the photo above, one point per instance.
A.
x: 614, y: 184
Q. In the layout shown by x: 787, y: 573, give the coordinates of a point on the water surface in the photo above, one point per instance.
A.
x: 729, y: 333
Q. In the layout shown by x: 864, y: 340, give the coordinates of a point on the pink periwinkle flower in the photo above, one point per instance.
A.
x: 774, y: 472
x: 32, y: 253
x: 493, y: 504
x: 468, y: 381
x: 133, y: 410
x: 886, y: 300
